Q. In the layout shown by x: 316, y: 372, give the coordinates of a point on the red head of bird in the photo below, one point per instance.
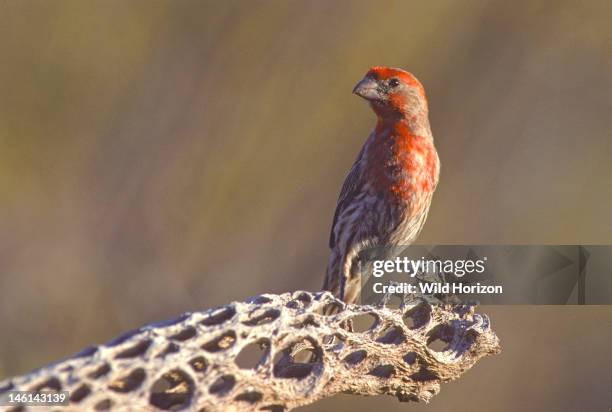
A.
x: 393, y: 93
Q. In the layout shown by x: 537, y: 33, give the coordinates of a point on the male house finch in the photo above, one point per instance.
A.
x: 386, y: 195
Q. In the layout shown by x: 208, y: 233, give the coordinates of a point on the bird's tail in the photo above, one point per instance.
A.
x: 343, y: 276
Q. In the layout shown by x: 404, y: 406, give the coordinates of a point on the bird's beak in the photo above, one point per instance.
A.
x: 368, y: 89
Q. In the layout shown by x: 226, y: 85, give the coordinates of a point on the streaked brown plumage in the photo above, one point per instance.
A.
x: 386, y: 195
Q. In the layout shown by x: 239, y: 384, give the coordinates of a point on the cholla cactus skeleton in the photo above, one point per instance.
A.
x: 197, y: 361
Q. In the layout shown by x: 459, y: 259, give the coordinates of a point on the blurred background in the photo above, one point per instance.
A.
x: 164, y: 156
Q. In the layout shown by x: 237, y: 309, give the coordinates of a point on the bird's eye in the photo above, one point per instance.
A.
x: 394, y: 82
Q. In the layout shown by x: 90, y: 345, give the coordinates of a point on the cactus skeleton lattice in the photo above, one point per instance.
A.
x: 195, y: 362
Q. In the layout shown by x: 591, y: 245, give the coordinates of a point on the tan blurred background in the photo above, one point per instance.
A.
x: 164, y: 156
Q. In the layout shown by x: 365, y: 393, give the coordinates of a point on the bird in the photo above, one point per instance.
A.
x: 385, y: 198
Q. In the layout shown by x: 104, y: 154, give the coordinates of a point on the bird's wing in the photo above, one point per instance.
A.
x: 349, y: 189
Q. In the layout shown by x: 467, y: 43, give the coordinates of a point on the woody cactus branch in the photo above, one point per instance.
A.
x: 271, y: 353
